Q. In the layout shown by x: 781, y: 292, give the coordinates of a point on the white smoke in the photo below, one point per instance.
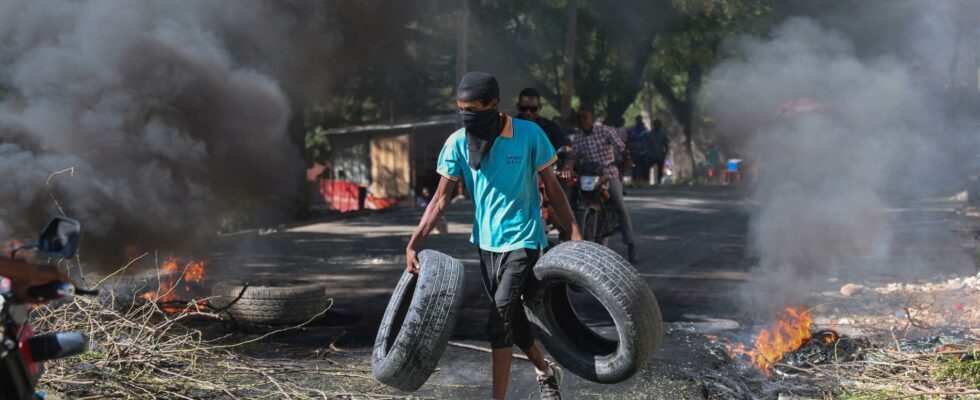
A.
x: 825, y: 177
x: 144, y: 100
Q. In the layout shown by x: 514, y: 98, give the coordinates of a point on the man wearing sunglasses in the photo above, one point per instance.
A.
x: 529, y: 108
x: 500, y: 159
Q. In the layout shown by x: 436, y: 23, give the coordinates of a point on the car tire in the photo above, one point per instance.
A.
x: 618, y: 287
x: 418, y: 321
x: 269, y: 303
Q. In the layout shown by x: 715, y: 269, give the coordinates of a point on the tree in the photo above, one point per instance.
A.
x: 595, y: 51
x: 690, y: 45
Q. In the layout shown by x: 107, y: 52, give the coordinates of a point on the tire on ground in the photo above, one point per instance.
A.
x: 270, y: 303
x: 418, y: 321
x: 620, y: 289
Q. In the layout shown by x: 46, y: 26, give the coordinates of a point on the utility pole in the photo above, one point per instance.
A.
x: 568, y: 69
x: 462, y: 31
x: 462, y: 46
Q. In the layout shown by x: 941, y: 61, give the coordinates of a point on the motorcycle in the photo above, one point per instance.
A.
x: 597, y: 221
x: 567, y: 180
x: 22, y: 353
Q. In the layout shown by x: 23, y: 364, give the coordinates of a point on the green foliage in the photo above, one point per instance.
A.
x: 964, y: 369
x: 392, y: 61
x: 873, y: 395
x: 317, y: 147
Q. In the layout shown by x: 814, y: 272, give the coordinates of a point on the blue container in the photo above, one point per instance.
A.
x: 733, y: 165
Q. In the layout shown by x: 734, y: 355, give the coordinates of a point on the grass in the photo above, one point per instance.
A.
x: 871, y: 395
x: 964, y: 369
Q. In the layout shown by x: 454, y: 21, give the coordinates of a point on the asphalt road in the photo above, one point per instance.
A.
x: 693, y: 253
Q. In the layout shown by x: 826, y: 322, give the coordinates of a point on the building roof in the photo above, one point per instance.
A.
x: 438, y: 120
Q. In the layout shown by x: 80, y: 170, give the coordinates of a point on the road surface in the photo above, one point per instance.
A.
x: 693, y: 253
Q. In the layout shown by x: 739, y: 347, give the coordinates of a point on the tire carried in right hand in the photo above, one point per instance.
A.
x: 618, y: 287
x: 416, y: 326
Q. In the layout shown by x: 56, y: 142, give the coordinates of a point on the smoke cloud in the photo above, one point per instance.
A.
x: 151, y: 105
x: 837, y: 127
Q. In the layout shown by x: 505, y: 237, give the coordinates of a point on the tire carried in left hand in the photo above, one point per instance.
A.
x: 418, y: 321
x: 618, y: 287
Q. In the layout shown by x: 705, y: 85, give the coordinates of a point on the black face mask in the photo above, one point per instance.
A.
x: 482, y: 128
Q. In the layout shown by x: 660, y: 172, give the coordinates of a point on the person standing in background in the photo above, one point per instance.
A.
x: 713, y: 159
x: 659, y: 150
x: 638, y: 144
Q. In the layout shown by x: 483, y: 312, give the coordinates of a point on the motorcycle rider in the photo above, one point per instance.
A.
x: 499, y: 159
x: 529, y: 108
x: 600, y: 144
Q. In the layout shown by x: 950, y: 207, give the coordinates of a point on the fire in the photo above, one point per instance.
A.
x: 790, y: 333
x: 170, y: 274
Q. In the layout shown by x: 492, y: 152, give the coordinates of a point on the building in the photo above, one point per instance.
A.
x: 381, y: 165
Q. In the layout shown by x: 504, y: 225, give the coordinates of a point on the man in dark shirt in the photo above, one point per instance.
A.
x: 529, y: 109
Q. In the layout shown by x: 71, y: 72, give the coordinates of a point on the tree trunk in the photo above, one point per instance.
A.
x: 568, y: 70
x: 615, y: 109
x: 462, y: 39
x: 694, y: 77
x: 684, y: 109
x: 648, y: 105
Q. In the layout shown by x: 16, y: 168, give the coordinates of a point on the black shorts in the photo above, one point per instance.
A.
x: 505, y: 277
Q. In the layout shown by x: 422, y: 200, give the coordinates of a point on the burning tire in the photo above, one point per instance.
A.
x: 270, y: 303
x: 618, y: 287
x: 418, y: 321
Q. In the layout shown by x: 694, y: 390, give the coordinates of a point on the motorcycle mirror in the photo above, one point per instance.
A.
x: 60, y: 238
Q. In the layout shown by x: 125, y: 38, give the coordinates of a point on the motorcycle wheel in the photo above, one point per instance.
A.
x: 590, y: 225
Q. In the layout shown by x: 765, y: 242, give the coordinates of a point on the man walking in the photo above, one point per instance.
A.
x: 659, y: 150
x: 599, y: 143
x: 499, y: 159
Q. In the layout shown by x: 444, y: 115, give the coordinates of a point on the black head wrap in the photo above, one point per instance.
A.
x: 482, y: 127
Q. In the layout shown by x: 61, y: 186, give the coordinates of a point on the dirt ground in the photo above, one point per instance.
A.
x: 693, y: 253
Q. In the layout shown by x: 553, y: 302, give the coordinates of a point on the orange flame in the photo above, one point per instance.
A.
x: 790, y: 333
x: 167, y: 292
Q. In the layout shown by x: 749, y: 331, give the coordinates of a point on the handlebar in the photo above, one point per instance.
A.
x: 58, y: 289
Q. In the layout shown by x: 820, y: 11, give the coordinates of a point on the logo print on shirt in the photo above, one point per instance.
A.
x: 514, y: 159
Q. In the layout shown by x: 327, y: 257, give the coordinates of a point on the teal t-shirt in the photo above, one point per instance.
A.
x: 505, y: 189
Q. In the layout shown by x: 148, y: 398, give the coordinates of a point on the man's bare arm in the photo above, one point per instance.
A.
x: 24, y: 275
x: 433, y: 212
x: 557, y: 196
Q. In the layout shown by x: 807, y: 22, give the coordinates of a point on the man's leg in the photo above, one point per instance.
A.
x: 625, y: 224
x: 501, y: 354
x: 501, y: 360
x: 504, y: 277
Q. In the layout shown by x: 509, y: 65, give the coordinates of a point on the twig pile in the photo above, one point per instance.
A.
x: 879, y: 373
x: 896, y: 374
x: 140, y: 351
